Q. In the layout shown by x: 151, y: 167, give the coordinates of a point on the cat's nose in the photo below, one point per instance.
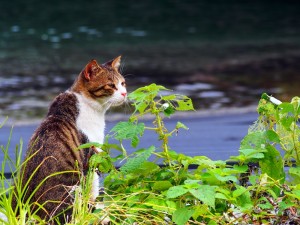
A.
x: 124, y: 94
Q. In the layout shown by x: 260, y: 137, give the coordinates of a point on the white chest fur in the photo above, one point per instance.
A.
x: 91, y: 119
x: 91, y: 122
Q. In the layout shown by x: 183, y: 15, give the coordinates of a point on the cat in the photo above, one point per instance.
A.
x: 75, y: 117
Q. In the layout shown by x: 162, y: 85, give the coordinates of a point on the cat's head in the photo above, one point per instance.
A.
x: 102, y: 83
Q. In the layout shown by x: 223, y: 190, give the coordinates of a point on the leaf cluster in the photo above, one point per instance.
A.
x: 155, y: 185
x: 253, y: 190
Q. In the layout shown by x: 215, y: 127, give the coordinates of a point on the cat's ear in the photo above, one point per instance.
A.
x: 91, y: 68
x: 115, y: 63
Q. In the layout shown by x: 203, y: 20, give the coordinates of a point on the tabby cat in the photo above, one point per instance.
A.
x: 75, y: 117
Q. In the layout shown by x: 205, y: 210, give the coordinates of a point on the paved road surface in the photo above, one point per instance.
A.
x: 217, y: 137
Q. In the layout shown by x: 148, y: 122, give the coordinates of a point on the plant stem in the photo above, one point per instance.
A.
x: 161, y: 131
x: 294, y: 142
x: 151, y: 128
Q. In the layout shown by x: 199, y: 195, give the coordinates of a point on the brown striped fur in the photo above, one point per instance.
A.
x: 52, y: 148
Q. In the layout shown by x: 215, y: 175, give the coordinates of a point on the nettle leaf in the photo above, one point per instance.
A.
x: 240, y: 168
x: 184, y: 104
x: 287, y: 108
x: 239, y: 191
x: 253, y: 140
x: 143, y: 96
x: 129, y: 130
x: 181, y: 125
x: 146, y: 93
x: 141, y: 106
x: 226, y: 178
x: 252, y: 153
x: 182, y: 215
x: 206, y: 194
x: 286, y: 122
x: 176, y: 191
x: 273, y: 136
x: 294, y: 173
x: 169, y: 97
x: 137, y: 162
x: 243, y: 198
x: 221, y: 196
x: 162, y: 185
x: 101, y: 161
x: 169, y: 111
x: 272, y: 164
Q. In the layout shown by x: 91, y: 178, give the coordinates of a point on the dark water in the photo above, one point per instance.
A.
x: 222, y: 53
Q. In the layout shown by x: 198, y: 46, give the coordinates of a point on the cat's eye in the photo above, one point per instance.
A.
x: 123, y: 84
x: 112, y: 85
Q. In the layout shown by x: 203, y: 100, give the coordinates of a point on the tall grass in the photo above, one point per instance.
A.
x: 12, y: 189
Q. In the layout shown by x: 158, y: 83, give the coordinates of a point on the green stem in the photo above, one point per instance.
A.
x: 162, y: 134
x: 151, y: 128
x: 295, y: 145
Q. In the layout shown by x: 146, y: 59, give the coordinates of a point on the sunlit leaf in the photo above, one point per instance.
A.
x: 182, y: 215
x: 206, y: 194
x: 176, y: 191
x: 181, y: 125
x: 136, y: 162
x: 129, y: 130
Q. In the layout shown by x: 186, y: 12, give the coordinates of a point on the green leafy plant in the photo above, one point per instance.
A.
x: 250, y: 188
x: 213, y: 193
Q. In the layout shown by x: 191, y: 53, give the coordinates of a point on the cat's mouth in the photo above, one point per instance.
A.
x: 112, y: 102
x: 119, y: 102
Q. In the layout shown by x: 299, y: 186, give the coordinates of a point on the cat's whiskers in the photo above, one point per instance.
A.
x: 126, y: 75
x: 107, y: 104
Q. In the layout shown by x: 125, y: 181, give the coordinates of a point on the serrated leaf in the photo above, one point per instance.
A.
x: 239, y: 191
x: 169, y: 97
x: 146, y: 93
x: 226, y: 178
x: 253, y: 140
x: 129, y: 130
x: 240, y: 168
x: 184, y: 104
x: 147, y: 168
x: 252, y: 153
x: 181, y: 125
x: 221, y: 196
x: 162, y: 185
x: 176, y: 191
x: 141, y: 106
x: 102, y: 161
x: 287, y: 108
x: 272, y: 164
x: 243, y: 198
x: 273, y: 136
x: 286, y: 122
x: 136, y: 162
x: 169, y: 111
x: 182, y: 215
x: 206, y: 194
x: 294, y: 194
x: 294, y: 173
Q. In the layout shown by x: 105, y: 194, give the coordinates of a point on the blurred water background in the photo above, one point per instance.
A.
x: 222, y: 54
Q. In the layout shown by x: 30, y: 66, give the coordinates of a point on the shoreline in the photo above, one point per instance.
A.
x: 115, y: 117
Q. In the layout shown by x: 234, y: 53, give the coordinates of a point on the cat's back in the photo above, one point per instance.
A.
x: 58, y: 131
